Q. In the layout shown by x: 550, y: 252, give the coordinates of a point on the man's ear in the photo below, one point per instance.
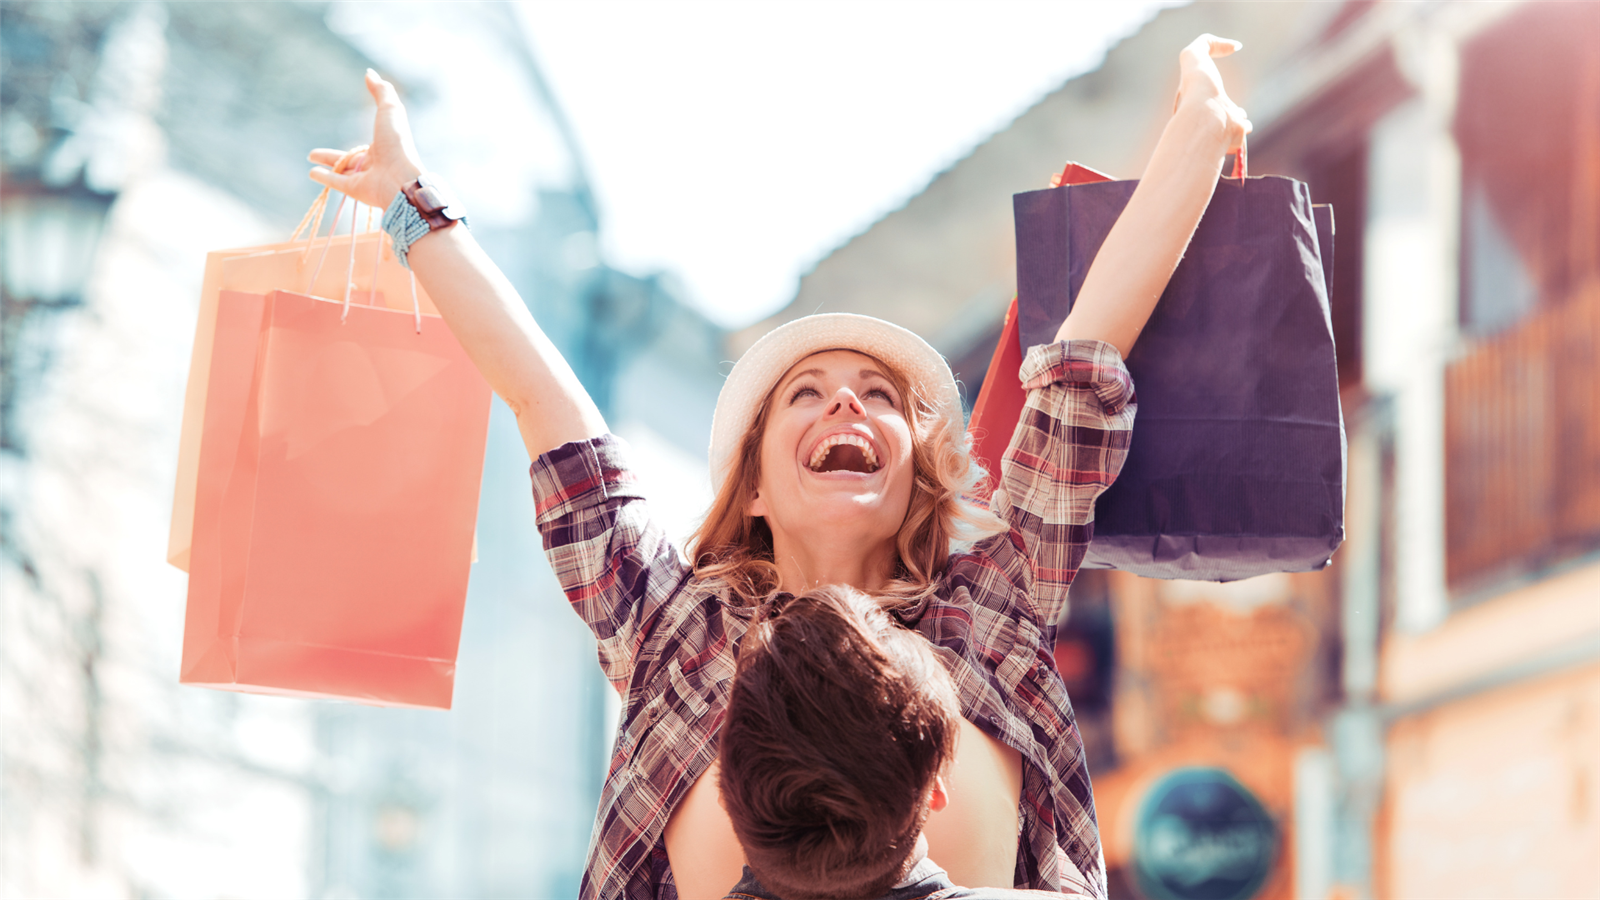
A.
x: 939, y: 798
x: 758, y: 507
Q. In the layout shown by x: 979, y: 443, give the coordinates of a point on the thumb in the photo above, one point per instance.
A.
x: 383, y: 93
x: 389, y: 126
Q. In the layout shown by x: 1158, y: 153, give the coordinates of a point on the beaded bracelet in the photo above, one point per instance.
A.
x: 405, y: 226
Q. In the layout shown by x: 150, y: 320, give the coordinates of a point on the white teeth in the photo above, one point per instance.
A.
x: 834, y: 440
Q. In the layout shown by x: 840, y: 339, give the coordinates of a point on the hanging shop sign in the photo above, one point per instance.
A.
x: 1201, y: 835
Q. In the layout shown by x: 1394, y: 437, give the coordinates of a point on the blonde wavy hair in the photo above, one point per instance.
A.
x: 736, y: 547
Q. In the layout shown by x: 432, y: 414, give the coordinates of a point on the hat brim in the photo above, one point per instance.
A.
x: 757, y: 373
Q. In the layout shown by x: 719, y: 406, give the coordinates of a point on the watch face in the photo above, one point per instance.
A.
x: 431, y: 197
x: 428, y: 199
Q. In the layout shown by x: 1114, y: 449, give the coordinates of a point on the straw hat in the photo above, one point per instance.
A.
x: 757, y: 373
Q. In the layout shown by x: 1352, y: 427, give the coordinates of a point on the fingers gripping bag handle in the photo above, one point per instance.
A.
x: 313, y: 217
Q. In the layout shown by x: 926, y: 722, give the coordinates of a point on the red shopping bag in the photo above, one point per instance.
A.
x: 999, y: 405
x: 336, y: 494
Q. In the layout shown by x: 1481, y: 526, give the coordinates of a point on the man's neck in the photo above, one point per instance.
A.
x: 918, y: 854
x: 917, y: 869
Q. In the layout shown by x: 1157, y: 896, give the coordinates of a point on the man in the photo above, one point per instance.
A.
x: 839, y: 728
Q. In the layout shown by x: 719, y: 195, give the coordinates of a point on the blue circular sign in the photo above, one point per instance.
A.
x: 1201, y: 835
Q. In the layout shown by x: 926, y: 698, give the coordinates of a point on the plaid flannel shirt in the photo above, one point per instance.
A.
x: 667, y: 640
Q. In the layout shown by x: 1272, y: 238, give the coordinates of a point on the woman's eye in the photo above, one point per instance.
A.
x: 803, y: 391
x: 881, y: 393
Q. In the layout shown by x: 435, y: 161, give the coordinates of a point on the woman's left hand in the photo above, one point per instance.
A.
x: 1200, y: 85
x: 1138, y: 256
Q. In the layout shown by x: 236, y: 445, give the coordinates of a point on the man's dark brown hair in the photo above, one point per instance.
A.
x: 838, y: 722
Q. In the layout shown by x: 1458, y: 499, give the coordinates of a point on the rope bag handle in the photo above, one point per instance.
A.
x: 312, y: 220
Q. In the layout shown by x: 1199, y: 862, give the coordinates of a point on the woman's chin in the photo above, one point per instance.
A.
x: 848, y: 488
x: 857, y: 503
x: 850, y: 507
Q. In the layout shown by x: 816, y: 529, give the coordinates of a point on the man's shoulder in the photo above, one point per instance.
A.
x: 926, y: 881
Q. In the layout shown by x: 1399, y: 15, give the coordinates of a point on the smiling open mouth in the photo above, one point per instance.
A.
x: 844, y: 453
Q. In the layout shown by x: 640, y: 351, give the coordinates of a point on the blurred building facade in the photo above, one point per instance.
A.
x: 1421, y: 719
x: 135, y: 138
x: 1467, y: 741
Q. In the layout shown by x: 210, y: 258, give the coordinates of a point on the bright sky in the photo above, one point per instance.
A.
x: 736, y: 143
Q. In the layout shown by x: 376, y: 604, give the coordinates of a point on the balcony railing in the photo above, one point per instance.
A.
x: 1522, y: 439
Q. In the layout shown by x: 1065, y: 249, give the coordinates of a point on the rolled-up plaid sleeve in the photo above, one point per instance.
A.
x: 615, y: 564
x: 1070, y: 443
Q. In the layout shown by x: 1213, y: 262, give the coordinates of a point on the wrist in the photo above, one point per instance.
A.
x: 398, y: 177
x: 1203, y: 130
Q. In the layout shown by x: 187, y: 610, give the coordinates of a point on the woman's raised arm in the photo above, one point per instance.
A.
x: 1138, y: 256
x: 475, y: 298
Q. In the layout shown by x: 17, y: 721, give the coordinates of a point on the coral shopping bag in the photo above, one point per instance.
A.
x: 326, y: 267
x: 1236, y: 466
x: 337, y: 489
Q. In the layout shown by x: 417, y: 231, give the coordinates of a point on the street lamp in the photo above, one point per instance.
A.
x: 48, y: 238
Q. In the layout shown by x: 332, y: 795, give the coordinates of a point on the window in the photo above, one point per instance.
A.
x: 1528, y: 125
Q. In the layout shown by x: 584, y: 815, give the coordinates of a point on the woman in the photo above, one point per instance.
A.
x: 838, y: 457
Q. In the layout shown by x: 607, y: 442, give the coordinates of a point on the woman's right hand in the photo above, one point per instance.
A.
x: 389, y: 163
x: 475, y: 298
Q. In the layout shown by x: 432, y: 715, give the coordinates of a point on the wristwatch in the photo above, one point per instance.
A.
x: 434, y: 202
x: 418, y: 210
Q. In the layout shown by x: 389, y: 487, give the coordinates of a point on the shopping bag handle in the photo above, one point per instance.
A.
x: 1078, y: 173
x: 313, y: 219
x: 313, y: 216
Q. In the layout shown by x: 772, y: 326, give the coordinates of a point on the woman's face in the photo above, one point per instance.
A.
x: 836, y: 454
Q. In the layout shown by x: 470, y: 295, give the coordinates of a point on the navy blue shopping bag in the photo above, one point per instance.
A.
x: 1237, y: 461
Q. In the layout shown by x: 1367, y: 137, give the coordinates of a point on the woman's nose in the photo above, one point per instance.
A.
x: 845, y: 399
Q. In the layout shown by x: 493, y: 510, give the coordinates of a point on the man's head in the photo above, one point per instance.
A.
x: 839, y: 725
